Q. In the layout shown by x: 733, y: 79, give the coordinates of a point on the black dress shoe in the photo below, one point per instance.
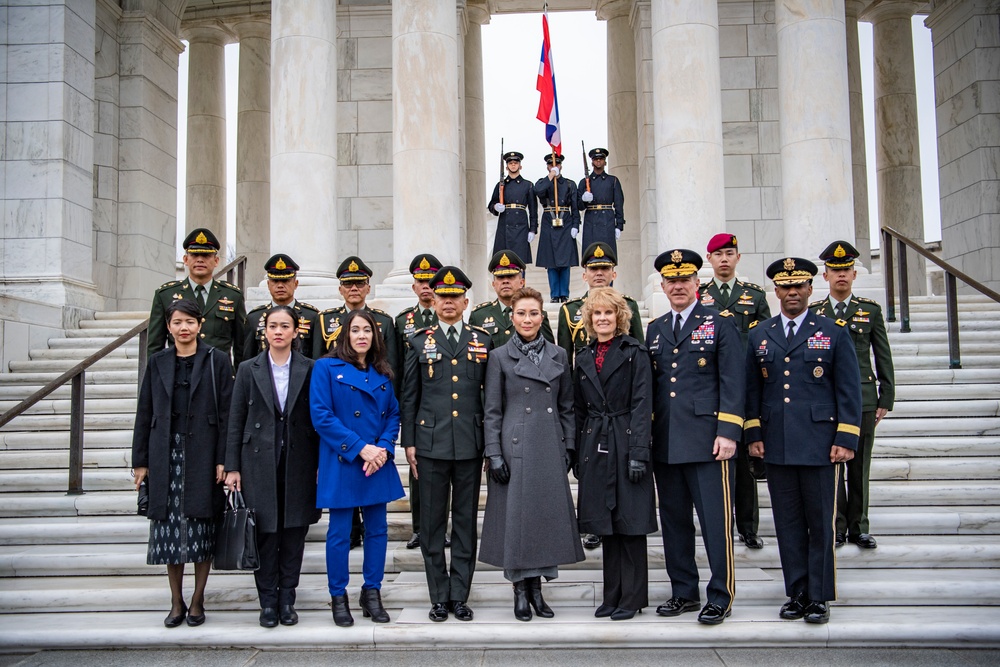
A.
x: 174, y: 621
x: 342, y: 611
x: 194, y: 620
x: 713, y: 614
x: 677, y: 606
x: 752, y: 541
x: 604, y: 611
x: 795, y: 608
x: 522, y: 609
x: 371, y: 605
x: 591, y: 541
x: 536, y: 600
x: 839, y: 540
x: 864, y: 541
x: 356, y: 539
x: 438, y: 612
x: 461, y: 611
x: 624, y: 614
x: 447, y: 541
x: 414, y: 541
x: 287, y: 615
x: 268, y: 617
x: 817, y: 612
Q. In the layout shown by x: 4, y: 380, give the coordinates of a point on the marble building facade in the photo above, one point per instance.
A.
x: 738, y: 115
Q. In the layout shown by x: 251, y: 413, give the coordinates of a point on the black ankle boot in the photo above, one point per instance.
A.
x: 342, y: 611
x: 371, y: 605
x: 535, y: 598
x: 522, y: 611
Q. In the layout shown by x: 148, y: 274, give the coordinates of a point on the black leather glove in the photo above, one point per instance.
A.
x: 570, y: 459
x: 499, y: 472
x: 636, y: 471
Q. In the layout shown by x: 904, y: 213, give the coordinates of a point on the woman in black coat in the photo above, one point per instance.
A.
x: 179, y: 443
x: 272, y: 457
x: 613, y: 403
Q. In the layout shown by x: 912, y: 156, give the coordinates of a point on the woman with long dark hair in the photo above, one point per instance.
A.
x: 355, y: 411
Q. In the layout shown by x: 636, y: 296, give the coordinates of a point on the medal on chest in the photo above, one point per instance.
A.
x: 431, y: 354
x: 704, y: 334
x: 818, y: 342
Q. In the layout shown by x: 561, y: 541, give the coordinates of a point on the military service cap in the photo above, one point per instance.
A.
x: 513, y: 155
x: 596, y: 153
x: 548, y: 158
x: 721, y: 242
x: 353, y: 270
x: 201, y: 241
x: 506, y: 263
x: 678, y: 263
x: 449, y: 281
x: 423, y: 267
x: 598, y: 255
x: 280, y: 267
x: 791, y: 271
x: 839, y: 255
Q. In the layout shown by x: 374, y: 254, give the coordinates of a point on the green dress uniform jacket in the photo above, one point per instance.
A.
x: 490, y: 316
x: 307, y: 324
x: 573, y: 335
x: 747, y: 304
x: 222, y: 324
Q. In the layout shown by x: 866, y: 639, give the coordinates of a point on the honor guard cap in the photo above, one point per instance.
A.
x: 201, y: 241
x: 423, y: 267
x: 548, y: 158
x: 280, y: 267
x: 596, y: 153
x: 678, y: 263
x: 513, y: 155
x: 721, y: 242
x: 839, y: 255
x: 791, y: 271
x: 506, y: 263
x: 353, y: 270
x: 598, y: 255
x: 449, y: 281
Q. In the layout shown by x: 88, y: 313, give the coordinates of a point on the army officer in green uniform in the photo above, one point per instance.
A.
x: 494, y: 316
x: 224, y: 314
x: 281, y: 283
x: 863, y: 320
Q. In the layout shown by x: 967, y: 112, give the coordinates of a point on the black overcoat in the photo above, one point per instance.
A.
x: 556, y: 245
x: 205, y: 446
x: 250, y: 449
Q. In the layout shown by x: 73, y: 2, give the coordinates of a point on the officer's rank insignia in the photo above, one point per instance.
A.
x: 841, y: 323
x: 702, y: 362
x: 763, y: 372
x: 818, y: 342
x: 818, y: 372
x: 177, y: 296
x: 226, y: 301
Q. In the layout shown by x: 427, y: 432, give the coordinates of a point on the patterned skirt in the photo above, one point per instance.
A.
x: 179, y: 539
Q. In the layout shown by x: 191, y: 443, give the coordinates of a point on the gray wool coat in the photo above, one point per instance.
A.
x: 530, y: 522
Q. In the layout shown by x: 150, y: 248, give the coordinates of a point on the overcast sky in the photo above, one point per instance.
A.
x: 511, y: 50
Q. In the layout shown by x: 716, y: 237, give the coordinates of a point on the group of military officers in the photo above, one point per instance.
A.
x: 797, y: 390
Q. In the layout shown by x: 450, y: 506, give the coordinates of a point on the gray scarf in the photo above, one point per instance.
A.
x: 531, y: 349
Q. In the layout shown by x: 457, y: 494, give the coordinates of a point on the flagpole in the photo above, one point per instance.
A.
x: 555, y: 181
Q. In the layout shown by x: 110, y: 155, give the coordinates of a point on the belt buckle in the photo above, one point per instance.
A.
x: 602, y: 451
x: 557, y: 220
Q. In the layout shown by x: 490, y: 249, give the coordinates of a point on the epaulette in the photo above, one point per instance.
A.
x: 866, y: 300
x: 628, y: 298
x: 578, y: 299
x: 483, y: 305
x: 168, y: 284
x: 744, y: 283
x: 424, y: 330
x: 262, y: 306
x: 230, y: 286
x: 333, y: 311
x: 380, y: 312
x: 307, y: 306
x: 479, y: 329
x: 704, y: 286
x: 817, y: 304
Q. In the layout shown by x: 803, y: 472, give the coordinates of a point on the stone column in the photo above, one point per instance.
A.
x: 206, y: 129
x: 645, y: 133
x: 304, y: 135
x: 859, y: 161
x: 623, y: 142
x: 813, y: 101
x: 687, y: 106
x: 476, y: 197
x: 253, y: 148
x: 897, y: 140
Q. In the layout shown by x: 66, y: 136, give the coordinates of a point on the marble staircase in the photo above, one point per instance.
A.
x: 73, y: 572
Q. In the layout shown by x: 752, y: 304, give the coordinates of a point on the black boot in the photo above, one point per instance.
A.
x: 371, y: 605
x: 342, y: 611
x: 522, y: 611
x: 535, y: 598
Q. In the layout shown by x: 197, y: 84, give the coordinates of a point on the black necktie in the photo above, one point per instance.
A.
x: 199, y: 293
x: 452, y: 336
x: 425, y: 314
x: 724, y: 289
x: 791, y: 331
x: 677, y: 327
x: 840, y: 310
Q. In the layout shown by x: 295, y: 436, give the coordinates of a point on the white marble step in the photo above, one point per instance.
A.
x: 95, y: 342
x: 81, y: 353
x: 91, y: 377
x: 941, y: 325
x: 31, y: 440
x: 91, y: 421
x: 945, y: 392
x: 946, y: 426
x: 895, y: 337
x: 29, y: 462
x: 122, y: 323
x: 935, y: 409
x: 944, y: 376
x: 939, y: 349
x: 63, y: 365
x: 127, y: 314
x: 92, y: 332
x: 94, y: 405
x: 934, y: 445
x: 941, y: 361
x: 14, y: 392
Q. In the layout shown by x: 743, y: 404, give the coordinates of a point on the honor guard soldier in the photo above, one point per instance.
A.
x: 803, y: 415
x: 698, y: 400
x: 494, y: 316
x: 514, y: 203
x: 602, y: 203
x: 863, y: 320
x: 557, y: 250
x: 747, y: 303
x: 408, y: 322
x: 281, y: 283
x: 441, y: 411
x: 224, y: 314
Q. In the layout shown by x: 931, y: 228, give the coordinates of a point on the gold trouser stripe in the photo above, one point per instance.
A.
x: 848, y: 428
x: 833, y: 526
x: 727, y: 503
x: 751, y: 423
x: 732, y: 419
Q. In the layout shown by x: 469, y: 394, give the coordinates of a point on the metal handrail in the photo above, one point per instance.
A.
x: 951, y: 275
x: 76, y: 375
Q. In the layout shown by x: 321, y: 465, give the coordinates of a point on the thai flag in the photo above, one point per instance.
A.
x: 548, y: 104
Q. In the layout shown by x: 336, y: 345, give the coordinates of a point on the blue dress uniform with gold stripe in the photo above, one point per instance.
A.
x: 605, y: 213
x: 803, y: 398
x: 698, y: 394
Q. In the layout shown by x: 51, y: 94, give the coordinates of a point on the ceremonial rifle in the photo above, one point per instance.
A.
x: 503, y: 164
x: 586, y: 167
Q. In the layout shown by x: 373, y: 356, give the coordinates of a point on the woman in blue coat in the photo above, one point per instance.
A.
x: 356, y: 414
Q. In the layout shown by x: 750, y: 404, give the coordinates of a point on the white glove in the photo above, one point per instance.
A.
x: 587, y: 197
x: 618, y: 233
x: 554, y: 171
x: 499, y: 208
x: 531, y: 236
x: 573, y: 232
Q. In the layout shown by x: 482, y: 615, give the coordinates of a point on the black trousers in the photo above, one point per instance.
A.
x: 803, y: 501
x: 707, y: 487
x: 280, y: 555
x: 745, y: 492
x: 415, y: 504
x: 852, y: 491
x: 626, y: 574
x: 459, y: 481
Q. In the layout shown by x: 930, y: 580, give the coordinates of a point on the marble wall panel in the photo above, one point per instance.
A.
x: 346, y: 151
x: 107, y: 116
x: 375, y: 180
x: 736, y: 12
x: 770, y: 203
x: 371, y: 84
x: 347, y: 117
x: 738, y: 171
x: 764, y: 104
x: 105, y: 183
x: 375, y: 116
x: 106, y: 216
x: 368, y: 213
x: 374, y: 148
x: 769, y: 137
x: 738, y: 73
x: 767, y: 170
x: 374, y: 53
x: 344, y: 225
x: 155, y: 194
x: 30, y: 101
x: 736, y: 105
x: 347, y: 181
x: 138, y: 121
x: 30, y: 140
x: 740, y: 138
x: 375, y: 245
x: 138, y: 154
x: 767, y: 71
x: 347, y: 53
x: 732, y: 41
x: 762, y: 39
x: 743, y: 231
x: 743, y: 204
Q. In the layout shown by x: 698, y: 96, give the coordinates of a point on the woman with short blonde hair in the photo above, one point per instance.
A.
x: 607, y: 297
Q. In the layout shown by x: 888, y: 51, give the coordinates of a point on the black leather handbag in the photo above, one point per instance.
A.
x: 142, y: 501
x: 236, y: 538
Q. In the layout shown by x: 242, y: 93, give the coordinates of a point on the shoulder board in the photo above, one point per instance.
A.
x: 230, y: 285
x: 307, y: 306
x: 479, y: 329
x: 484, y: 304
x: 424, y: 330
x: 406, y: 310
x: 577, y: 301
x: 871, y: 301
x: 704, y: 286
x: 744, y: 283
x: 262, y: 306
x: 333, y: 311
x: 380, y: 312
x: 817, y: 304
x: 168, y: 284
x: 628, y: 298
